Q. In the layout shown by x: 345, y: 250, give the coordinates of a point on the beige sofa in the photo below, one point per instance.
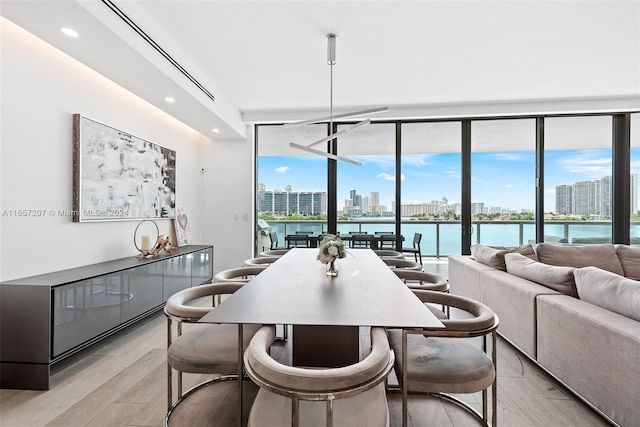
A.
x: 574, y: 310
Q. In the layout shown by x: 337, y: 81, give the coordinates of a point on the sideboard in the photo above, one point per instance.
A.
x: 47, y: 318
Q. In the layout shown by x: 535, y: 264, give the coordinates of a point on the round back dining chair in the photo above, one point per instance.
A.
x: 260, y: 261
x: 406, y: 264
x: 439, y: 362
x: 346, y: 396
x: 274, y: 252
x: 239, y: 275
x: 203, y: 348
x: 387, y: 253
x: 422, y: 280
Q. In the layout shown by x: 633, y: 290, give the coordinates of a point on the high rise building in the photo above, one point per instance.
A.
x: 288, y: 202
x: 592, y: 197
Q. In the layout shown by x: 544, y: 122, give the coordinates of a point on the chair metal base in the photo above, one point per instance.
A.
x: 178, y: 401
x: 452, y: 399
x: 449, y: 398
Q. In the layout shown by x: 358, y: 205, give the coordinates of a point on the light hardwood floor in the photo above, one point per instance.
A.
x: 122, y: 382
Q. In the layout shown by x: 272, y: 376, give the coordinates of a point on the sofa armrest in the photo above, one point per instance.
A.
x: 464, y: 276
x: 513, y: 299
x: 594, y: 351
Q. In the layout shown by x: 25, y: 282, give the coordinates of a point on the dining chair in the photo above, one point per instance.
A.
x: 429, y: 282
x: 240, y: 274
x: 387, y: 253
x: 274, y: 252
x: 396, y: 263
x: 422, y: 280
x: 441, y: 362
x: 415, y: 249
x: 201, y: 348
x: 345, y: 396
x: 260, y: 261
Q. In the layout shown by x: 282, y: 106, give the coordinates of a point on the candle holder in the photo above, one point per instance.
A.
x: 147, y: 243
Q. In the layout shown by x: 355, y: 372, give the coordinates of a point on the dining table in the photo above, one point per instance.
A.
x: 325, y: 312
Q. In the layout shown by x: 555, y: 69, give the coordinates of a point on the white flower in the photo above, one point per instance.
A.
x: 333, y: 251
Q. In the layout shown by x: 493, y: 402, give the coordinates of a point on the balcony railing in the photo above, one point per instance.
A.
x: 443, y: 238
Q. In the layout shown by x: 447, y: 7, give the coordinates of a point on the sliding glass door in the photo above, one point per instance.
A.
x: 431, y: 198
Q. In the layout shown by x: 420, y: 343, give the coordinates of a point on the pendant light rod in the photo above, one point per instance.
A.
x: 341, y: 132
x: 331, y: 60
x: 337, y: 116
x: 324, y: 154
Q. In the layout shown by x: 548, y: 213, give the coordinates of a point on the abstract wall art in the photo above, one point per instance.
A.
x: 119, y: 176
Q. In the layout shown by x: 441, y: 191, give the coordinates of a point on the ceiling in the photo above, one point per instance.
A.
x: 266, y: 60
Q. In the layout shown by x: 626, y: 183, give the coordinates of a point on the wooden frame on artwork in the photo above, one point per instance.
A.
x: 119, y: 176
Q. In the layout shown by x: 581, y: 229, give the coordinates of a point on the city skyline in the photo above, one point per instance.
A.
x: 498, y: 179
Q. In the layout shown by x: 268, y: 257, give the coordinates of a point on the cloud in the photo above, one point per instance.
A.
x: 509, y: 186
x: 282, y: 169
x: 589, y: 164
x: 510, y: 157
x: 388, y: 177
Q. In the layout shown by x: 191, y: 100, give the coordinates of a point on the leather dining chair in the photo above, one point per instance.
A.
x: 441, y: 362
x: 345, y: 396
x: 201, y: 348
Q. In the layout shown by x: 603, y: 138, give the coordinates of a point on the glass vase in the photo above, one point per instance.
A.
x: 332, y: 269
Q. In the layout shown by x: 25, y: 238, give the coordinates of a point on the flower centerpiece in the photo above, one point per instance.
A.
x: 331, y: 248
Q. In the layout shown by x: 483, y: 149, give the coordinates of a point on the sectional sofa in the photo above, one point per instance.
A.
x: 574, y: 310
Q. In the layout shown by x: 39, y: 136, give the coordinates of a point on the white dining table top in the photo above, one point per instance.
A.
x: 295, y: 290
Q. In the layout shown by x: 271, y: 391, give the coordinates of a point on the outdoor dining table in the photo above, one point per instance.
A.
x: 377, y: 240
x: 326, y: 312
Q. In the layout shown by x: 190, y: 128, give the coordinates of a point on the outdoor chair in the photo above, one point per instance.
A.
x: 415, y: 249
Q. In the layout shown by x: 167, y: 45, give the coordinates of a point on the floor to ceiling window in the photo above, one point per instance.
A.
x: 291, y: 194
x: 431, y: 170
x: 635, y: 171
x: 365, y: 193
x: 503, y: 171
x: 495, y: 195
x: 577, y: 179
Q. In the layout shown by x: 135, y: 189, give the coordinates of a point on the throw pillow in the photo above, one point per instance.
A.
x: 526, y: 250
x: 630, y: 259
x: 489, y: 256
x: 601, y: 256
x: 558, y: 278
x: 609, y: 290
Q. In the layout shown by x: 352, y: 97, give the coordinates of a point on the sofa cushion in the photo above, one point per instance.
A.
x: 608, y: 290
x: 493, y: 256
x: 558, y: 278
x: 489, y: 256
x: 601, y: 256
x: 629, y: 257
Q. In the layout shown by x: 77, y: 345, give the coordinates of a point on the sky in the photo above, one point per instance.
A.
x: 503, y: 179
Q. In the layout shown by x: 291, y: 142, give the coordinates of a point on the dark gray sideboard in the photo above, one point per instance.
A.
x: 46, y: 318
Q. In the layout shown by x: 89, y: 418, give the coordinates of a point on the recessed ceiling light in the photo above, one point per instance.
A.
x: 215, y: 130
x: 169, y: 99
x: 69, y: 32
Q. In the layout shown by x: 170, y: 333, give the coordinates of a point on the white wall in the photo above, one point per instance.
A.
x: 40, y: 90
x: 228, y: 201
